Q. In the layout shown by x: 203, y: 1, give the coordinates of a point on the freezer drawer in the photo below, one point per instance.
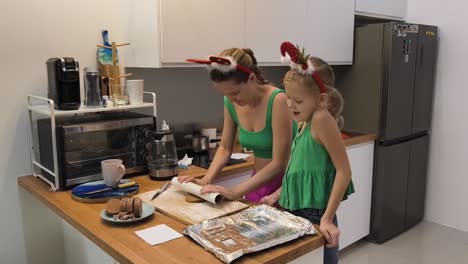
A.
x: 389, y: 191
x: 399, y: 187
x: 416, y: 190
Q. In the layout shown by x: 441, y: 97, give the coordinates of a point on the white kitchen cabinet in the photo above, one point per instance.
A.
x: 164, y: 33
x: 270, y: 22
x: 330, y: 31
x: 195, y: 29
x: 142, y: 32
x: 395, y: 9
x: 324, y: 28
x: 354, y: 213
x: 80, y: 250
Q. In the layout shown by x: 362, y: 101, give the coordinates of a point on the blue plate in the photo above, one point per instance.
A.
x: 147, y: 211
x: 78, y: 193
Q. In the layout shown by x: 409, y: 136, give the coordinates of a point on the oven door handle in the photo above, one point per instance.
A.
x: 111, y: 125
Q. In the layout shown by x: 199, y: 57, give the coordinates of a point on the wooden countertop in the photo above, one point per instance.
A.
x: 356, y: 139
x: 125, y: 246
x: 227, y: 171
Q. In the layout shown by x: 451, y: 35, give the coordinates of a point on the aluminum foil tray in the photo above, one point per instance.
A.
x: 254, y: 229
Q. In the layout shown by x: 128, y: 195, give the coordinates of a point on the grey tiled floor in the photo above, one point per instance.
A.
x: 426, y: 243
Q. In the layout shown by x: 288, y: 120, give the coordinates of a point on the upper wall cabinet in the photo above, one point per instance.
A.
x: 198, y: 28
x: 395, y: 9
x: 324, y: 27
x: 179, y: 29
x: 330, y: 31
x: 143, y: 35
x: 270, y: 22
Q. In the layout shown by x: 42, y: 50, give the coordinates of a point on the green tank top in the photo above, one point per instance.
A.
x: 310, y: 175
x: 261, y: 143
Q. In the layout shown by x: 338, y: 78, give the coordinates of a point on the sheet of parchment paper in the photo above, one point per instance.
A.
x: 194, y: 189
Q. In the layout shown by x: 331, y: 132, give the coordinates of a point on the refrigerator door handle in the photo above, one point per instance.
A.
x: 421, y: 56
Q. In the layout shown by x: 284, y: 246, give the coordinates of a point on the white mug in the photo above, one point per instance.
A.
x: 211, y: 134
x: 135, y: 91
x: 112, y: 171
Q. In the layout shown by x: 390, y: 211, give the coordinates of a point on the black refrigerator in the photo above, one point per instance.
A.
x: 388, y: 91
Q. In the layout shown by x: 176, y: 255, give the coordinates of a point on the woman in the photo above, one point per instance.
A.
x: 266, y: 127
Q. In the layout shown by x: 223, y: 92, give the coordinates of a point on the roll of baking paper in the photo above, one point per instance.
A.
x: 194, y: 189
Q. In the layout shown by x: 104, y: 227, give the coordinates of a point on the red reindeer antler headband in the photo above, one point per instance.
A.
x: 292, y: 56
x: 223, y: 64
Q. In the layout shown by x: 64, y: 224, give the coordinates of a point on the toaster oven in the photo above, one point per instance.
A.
x: 84, y: 141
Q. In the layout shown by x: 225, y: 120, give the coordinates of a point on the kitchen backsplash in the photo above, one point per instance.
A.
x: 186, y: 98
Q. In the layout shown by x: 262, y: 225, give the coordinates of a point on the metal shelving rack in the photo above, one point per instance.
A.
x: 49, y: 110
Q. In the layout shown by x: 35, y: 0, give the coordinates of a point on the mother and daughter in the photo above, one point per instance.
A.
x: 303, y: 168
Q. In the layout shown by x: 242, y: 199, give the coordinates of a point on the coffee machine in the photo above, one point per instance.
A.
x: 64, y: 83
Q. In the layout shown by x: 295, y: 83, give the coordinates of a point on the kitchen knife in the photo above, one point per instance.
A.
x: 165, y: 187
x: 120, y: 186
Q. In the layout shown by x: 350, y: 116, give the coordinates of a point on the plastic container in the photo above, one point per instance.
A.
x: 92, y: 87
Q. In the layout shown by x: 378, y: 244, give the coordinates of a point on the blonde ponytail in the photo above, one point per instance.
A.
x: 335, y: 105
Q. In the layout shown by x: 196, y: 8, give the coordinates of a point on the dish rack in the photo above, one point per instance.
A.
x: 46, y: 107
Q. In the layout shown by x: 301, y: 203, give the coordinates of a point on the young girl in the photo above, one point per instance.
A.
x: 318, y: 176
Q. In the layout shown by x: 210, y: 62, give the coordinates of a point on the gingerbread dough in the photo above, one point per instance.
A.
x: 190, y: 198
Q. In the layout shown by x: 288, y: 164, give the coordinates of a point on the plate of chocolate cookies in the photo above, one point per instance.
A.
x: 126, y: 210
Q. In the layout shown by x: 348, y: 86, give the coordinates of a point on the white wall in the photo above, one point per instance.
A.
x: 31, y: 32
x: 447, y: 201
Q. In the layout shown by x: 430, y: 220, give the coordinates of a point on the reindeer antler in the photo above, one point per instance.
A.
x: 299, y: 60
x: 289, y: 52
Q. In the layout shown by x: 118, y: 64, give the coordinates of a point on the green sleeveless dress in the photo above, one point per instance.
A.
x: 310, y: 175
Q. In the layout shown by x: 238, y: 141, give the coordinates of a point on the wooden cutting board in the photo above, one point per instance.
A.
x: 172, y: 202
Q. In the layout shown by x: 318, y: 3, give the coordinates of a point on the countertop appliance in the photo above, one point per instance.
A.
x: 84, y: 141
x: 64, y: 83
x: 198, y: 143
x: 162, y: 158
x: 389, y: 92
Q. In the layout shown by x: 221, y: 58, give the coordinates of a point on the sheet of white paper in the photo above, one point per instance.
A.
x: 158, y: 234
x: 239, y: 156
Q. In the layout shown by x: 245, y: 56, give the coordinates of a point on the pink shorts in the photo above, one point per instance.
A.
x: 266, y: 189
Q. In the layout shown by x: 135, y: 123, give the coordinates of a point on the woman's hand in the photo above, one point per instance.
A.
x: 225, y: 192
x: 201, y: 181
x: 331, y: 232
x: 270, y: 200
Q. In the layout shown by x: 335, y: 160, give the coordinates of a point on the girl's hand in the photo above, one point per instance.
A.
x: 331, y: 232
x: 225, y: 192
x: 270, y: 200
x: 201, y: 181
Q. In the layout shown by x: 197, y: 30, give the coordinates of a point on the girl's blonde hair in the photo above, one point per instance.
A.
x: 335, y: 100
x: 244, y: 57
